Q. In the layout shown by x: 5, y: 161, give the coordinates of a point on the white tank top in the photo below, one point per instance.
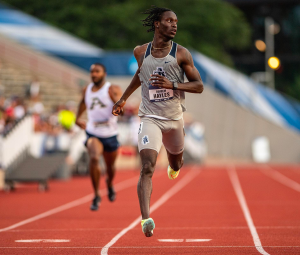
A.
x: 101, y: 122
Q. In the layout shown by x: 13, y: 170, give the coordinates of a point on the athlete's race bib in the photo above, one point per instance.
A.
x: 157, y: 94
x: 101, y: 123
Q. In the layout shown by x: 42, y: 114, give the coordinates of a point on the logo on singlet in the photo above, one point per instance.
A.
x: 160, y: 71
x: 96, y: 101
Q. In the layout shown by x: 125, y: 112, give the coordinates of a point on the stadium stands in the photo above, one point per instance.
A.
x: 15, y: 80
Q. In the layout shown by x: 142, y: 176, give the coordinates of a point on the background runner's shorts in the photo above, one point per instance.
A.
x: 110, y: 144
x: 153, y: 132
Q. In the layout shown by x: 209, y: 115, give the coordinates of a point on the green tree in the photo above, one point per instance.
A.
x: 209, y: 26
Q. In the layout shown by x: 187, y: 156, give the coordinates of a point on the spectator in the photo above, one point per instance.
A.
x: 36, y: 106
x: 33, y: 90
x: 19, y: 109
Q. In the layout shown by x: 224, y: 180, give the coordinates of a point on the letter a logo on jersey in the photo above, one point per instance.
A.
x: 160, y: 71
x: 96, y: 101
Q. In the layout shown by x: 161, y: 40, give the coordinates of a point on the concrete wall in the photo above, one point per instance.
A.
x: 230, y: 129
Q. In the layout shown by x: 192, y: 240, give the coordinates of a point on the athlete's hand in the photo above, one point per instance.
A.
x: 118, y: 107
x: 81, y: 124
x: 161, y: 81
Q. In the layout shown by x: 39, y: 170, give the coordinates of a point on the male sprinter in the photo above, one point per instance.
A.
x: 162, y: 65
x: 101, y: 129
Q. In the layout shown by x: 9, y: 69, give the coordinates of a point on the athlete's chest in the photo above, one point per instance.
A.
x: 99, y: 100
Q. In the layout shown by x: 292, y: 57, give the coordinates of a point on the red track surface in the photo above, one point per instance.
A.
x: 207, y: 207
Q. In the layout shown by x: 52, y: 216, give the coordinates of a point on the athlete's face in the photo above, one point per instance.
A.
x: 97, y: 74
x: 168, y: 24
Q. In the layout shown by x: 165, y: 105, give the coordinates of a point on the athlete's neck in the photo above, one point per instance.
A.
x: 99, y: 84
x: 160, y: 43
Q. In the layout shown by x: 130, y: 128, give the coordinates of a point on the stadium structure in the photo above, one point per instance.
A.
x: 234, y: 109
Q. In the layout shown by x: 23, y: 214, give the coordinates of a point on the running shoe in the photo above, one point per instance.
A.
x: 95, y: 203
x: 111, y: 194
x: 148, y: 226
x: 172, y: 173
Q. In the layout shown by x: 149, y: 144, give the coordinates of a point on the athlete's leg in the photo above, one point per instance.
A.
x: 175, y: 161
x: 149, y: 143
x: 110, y: 159
x: 174, y: 144
x: 144, y: 188
x: 95, y: 149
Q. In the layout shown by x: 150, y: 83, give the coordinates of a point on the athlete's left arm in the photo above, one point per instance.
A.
x: 115, y: 93
x: 185, y: 60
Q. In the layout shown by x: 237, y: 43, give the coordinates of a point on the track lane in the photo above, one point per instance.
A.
x: 206, y: 208
x: 210, y: 212
x: 101, y: 225
x: 272, y: 204
x: 290, y: 171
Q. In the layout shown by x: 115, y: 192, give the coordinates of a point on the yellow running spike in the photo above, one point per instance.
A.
x: 172, y: 174
x: 148, y: 226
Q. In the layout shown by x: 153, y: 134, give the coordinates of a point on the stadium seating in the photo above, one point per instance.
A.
x: 16, y: 79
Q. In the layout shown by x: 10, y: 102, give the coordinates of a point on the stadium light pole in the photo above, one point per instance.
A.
x: 269, y: 40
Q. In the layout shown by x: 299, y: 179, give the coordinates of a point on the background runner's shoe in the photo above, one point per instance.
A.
x: 111, y: 194
x: 148, y: 226
x: 172, y: 174
x: 95, y: 203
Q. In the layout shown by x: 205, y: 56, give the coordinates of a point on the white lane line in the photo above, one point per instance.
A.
x: 171, y: 192
x: 241, y: 198
x: 43, y: 241
x: 144, y: 247
x: 180, y: 228
x: 118, y: 187
x: 197, y: 240
x: 171, y: 240
x: 182, y: 240
x: 281, y: 178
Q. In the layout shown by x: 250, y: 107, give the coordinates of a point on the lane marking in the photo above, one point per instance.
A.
x: 197, y: 240
x: 118, y: 187
x: 145, y: 247
x: 43, y: 241
x: 281, y: 178
x: 182, y: 240
x: 160, y: 228
x: 171, y: 240
x: 164, y: 198
x: 241, y: 198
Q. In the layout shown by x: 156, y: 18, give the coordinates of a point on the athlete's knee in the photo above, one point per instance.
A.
x: 94, y: 158
x: 147, y: 169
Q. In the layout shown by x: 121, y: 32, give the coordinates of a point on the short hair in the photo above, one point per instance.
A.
x: 99, y: 64
x: 155, y: 14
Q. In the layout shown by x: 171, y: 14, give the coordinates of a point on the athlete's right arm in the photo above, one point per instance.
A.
x: 134, y: 84
x: 80, y: 110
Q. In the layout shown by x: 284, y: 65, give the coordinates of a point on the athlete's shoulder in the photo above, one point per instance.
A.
x: 181, y: 49
x: 114, y: 87
x: 139, y: 52
x: 85, y: 88
x: 114, y: 92
x: 140, y: 49
x: 183, y: 55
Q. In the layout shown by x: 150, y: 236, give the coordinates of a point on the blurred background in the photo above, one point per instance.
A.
x: 247, y: 52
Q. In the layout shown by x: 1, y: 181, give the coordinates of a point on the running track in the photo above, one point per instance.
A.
x: 249, y: 209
